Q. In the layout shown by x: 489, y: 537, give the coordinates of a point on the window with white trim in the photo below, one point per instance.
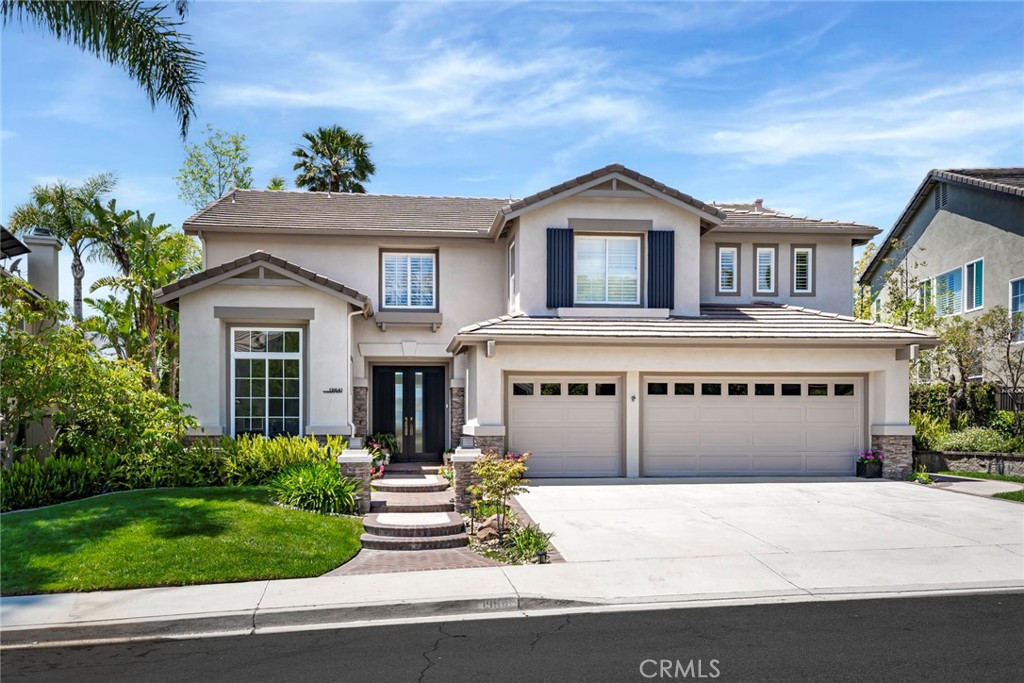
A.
x: 607, y: 270
x: 765, y: 257
x: 949, y: 292
x: 1017, y: 300
x: 512, y: 283
x: 925, y: 291
x: 974, y: 281
x: 266, y: 381
x: 409, y: 280
x: 803, y: 270
x: 728, y: 282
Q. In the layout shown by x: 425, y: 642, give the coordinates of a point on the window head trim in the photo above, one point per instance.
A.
x: 812, y: 264
x: 773, y: 250
x: 607, y: 239
x: 436, y: 260
x: 734, y: 249
x: 970, y: 285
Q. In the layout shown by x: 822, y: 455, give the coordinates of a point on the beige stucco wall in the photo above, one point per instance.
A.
x: 833, y: 279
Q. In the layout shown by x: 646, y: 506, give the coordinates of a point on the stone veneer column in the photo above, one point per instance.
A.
x: 360, y: 410
x: 457, y: 412
x: 355, y: 464
x: 897, y: 454
x: 463, y: 461
x: 490, y: 443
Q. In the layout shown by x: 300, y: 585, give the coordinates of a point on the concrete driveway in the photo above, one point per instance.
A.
x: 812, y: 536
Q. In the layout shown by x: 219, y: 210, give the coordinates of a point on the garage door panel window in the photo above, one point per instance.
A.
x: 657, y: 388
x: 579, y: 389
x: 764, y: 389
x: 522, y: 389
x: 550, y: 389
x: 683, y: 388
x: 604, y: 389
x: 842, y: 390
x: 817, y: 390
x: 790, y: 389
x: 710, y: 389
x: 737, y: 389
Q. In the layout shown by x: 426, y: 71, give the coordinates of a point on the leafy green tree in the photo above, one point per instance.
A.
x: 61, y: 208
x: 137, y: 37
x: 333, y: 160
x: 955, y: 360
x: 862, y: 293
x: 213, y: 167
x: 277, y: 183
x: 1003, y: 334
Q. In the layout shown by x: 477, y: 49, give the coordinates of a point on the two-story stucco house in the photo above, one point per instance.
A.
x: 962, y: 237
x: 611, y: 325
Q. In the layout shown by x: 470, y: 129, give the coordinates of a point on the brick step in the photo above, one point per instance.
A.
x: 414, y: 524
x: 411, y: 468
x: 430, y: 483
x: 381, y: 501
x: 375, y: 542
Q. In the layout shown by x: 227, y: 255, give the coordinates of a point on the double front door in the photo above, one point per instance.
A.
x: 408, y: 401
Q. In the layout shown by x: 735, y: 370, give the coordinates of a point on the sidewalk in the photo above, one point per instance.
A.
x: 974, y: 486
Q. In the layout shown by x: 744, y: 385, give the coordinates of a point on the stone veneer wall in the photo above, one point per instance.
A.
x: 457, y: 411
x: 897, y: 453
x: 360, y: 409
x: 464, y: 478
x: 488, y: 443
x: 996, y: 463
x: 360, y: 471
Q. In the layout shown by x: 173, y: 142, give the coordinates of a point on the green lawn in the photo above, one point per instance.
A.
x: 1012, y: 495
x: 986, y: 475
x: 168, y: 537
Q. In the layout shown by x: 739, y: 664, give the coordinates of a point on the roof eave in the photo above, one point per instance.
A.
x: 460, y: 341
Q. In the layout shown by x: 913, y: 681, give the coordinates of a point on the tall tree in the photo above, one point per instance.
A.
x: 1003, y: 334
x: 61, y: 209
x: 212, y: 167
x: 333, y: 160
x: 137, y: 37
x: 277, y: 183
x: 955, y: 360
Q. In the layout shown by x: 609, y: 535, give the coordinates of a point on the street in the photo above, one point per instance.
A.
x: 952, y: 638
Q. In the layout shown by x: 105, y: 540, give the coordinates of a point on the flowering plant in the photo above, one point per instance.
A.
x: 869, y: 456
x: 376, y: 472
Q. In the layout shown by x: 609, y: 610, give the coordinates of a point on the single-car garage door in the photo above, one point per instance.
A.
x: 744, y: 425
x: 571, y: 424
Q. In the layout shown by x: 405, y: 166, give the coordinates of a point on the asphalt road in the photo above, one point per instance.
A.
x: 962, y: 638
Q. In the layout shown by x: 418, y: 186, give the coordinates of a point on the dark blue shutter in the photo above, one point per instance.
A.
x: 560, y: 266
x: 661, y: 268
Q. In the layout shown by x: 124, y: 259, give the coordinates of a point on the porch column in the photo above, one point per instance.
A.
x: 356, y: 464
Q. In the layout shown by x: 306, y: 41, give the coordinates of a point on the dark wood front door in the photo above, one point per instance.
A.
x: 409, y: 403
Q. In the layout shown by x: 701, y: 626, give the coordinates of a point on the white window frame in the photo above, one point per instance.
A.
x: 966, y: 288
x: 927, y: 285
x: 408, y: 255
x: 639, y: 270
x: 267, y: 356
x: 810, y: 270
x: 937, y: 294
x: 1009, y: 300
x: 771, y: 270
x: 512, y: 280
x: 735, y: 289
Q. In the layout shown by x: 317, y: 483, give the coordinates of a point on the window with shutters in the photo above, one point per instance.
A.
x: 949, y: 292
x: 728, y: 280
x: 974, y: 282
x: 607, y: 270
x: 764, y: 257
x: 409, y: 280
x: 803, y: 270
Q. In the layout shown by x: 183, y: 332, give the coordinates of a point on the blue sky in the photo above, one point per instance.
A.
x: 826, y: 109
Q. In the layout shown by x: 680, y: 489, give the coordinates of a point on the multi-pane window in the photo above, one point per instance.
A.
x: 266, y: 381
x: 607, y: 270
x: 949, y: 292
x: 409, y: 280
x: 728, y: 282
x: 765, y: 257
x: 974, y: 279
x: 803, y: 269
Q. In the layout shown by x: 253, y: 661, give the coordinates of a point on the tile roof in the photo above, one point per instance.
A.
x: 744, y: 218
x: 11, y: 245
x: 169, y: 294
x: 1009, y: 180
x: 348, y: 212
x: 760, y: 322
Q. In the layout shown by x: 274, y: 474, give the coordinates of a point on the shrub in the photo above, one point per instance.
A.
x: 523, y: 543
x: 1002, y: 422
x: 501, y: 477
x: 980, y: 403
x: 317, y: 487
x: 255, y: 460
x: 27, y: 483
x: 930, y: 431
x: 975, y: 439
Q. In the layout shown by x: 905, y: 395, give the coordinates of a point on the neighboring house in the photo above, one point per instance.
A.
x: 962, y: 237
x: 611, y: 325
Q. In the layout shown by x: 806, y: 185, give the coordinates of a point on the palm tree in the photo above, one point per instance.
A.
x: 136, y: 37
x: 277, y: 183
x: 334, y: 160
x: 61, y: 209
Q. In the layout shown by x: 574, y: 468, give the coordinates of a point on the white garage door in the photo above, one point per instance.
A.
x: 745, y: 425
x: 572, y: 425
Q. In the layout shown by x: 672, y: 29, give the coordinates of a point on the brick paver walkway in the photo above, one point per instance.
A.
x: 390, y: 561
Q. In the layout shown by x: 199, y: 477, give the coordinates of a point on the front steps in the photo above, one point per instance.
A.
x: 411, y: 508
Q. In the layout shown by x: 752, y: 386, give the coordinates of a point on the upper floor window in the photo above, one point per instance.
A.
x: 765, y: 276
x: 949, y: 292
x: 512, y: 291
x: 728, y: 281
x: 974, y: 278
x: 1017, y: 299
x: 409, y: 280
x: 924, y: 292
x: 607, y: 270
x: 803, y: 270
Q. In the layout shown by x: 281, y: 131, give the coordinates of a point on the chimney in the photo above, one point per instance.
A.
x: 758, y: 206
x: 43, y: 262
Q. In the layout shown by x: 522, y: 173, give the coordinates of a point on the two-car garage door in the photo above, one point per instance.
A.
x: 690, y: 425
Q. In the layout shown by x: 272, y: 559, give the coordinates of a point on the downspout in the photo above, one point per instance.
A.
x: 348, y: 370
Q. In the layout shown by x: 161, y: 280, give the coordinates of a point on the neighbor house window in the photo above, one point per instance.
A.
x: 949, y: 292
x: 728, y: 270
x: 765, y: 277
x: 266, y: 381
x: 974, y: 279
x: 512, y: 291
x: 1017, y: 300
x: 608, y: 270
x: 925, y: 293
x: 409, y: 280
x: 803, y: 270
